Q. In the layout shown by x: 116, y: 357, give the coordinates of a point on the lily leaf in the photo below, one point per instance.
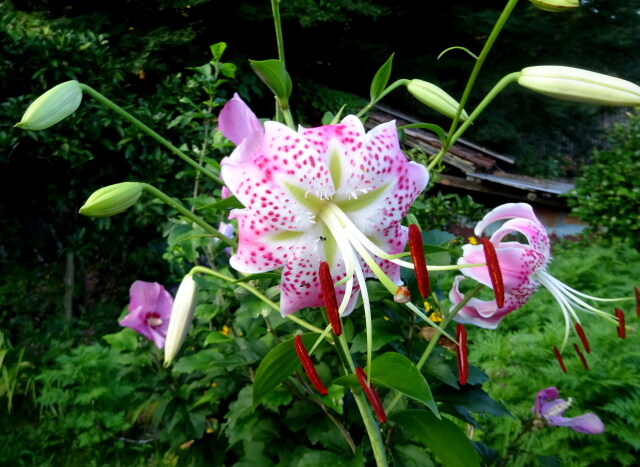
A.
x: 381, y: 79
x: 396, y: 371
x: 274, y: 74
x: 441, y: 436
x: 277, y: 366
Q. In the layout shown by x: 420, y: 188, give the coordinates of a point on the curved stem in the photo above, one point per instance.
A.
x: 479, y: 62
x: 497, y: 89
x: 254, y: 291
x: 391, y: 87
x: 188, y: 214
x: 130, y: 118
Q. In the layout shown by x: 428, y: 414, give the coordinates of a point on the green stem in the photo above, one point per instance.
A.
x: 363, y: 406
x: 434, y: 340
x: 479, y: 62
x: 275, y: 9
x: 254, y: 291
x: 391, y: 87
x: 188, y: 214
x: 127, y: 116
x: 497, y: 89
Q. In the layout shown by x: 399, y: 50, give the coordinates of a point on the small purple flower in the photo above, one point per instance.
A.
x: 149, y: 311
x: 550, y: 408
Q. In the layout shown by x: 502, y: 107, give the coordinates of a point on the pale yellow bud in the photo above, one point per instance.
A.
x: 111, y: 200
x: 52, y: 107
x: 432, y: 96
x: 181, y: 316
x: 574, y: 84
x: 556, y: 5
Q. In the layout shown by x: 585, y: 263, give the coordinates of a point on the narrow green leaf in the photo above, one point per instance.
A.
x: 442, y: 136
x: 228, y: 203
x: 381, y: 79
x: 441, y: 436
x: 277, y: 366
x: 274, y: 74
x: 395, y: 371
x: 257, y: 276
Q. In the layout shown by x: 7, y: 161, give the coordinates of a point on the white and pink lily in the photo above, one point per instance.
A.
x: 332, y: 194
x: 524, y: 269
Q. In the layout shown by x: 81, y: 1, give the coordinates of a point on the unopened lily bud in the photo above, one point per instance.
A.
x: 111, y: 200
x: 402, y: 295
x: 432, y: 96
x: 556, y: 5
x: 181, y: 316
x: 52, y: 107
x: 574, y: 84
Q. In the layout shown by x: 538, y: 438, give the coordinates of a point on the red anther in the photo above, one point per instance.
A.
x: 494, y: 271
x: 559, y: 358
x: 329, y: 297
x: 583, y: 337
x: 307, y: 364
x: 461, y: 354
x: 622, y: 331
x: 419, y: 263
x: 372, y: 395
x: 581, y: 355
x: 637, y: 301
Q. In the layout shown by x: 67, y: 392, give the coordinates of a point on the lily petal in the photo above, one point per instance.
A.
x: 587, y: 423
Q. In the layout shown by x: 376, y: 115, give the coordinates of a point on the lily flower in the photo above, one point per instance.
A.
x: 524, y: 269
x: 331, y: 194
x: 149, y: 311
x: 548, y: 407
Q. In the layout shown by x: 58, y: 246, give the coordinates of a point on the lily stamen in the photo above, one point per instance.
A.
x: 419, y: 263
x: 329, y: 297
x: 622, y: 331
x: 637, y: 292
x: 372, y: 395
x: 308, y: 366
x: 559, y: 358
x: 461, y: 354
x: 581, y: 356
x: 583, y: 337
x: 494, y: 271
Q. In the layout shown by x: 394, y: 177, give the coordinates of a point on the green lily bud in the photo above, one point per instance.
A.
x: 111, y: 200
x: 52, y: 107
x: 556, y: 5
x: 181, y: 316
x: 434, y: 97
x: 574, y: 84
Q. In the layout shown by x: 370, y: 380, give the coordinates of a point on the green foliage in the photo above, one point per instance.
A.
x: 443, y: 210
x: 607, y: 194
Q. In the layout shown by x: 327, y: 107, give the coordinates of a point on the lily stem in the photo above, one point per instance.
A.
x: 256, y: 292
x: 188, y: 214
x: 127, y: 116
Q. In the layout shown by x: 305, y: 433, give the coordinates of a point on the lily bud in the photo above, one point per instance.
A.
x: 52, y: 107
x: 434, y: 97
x: 181, y: 316
x: 556, y: 5
x: 111, y: 200
x: 574, y: 84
